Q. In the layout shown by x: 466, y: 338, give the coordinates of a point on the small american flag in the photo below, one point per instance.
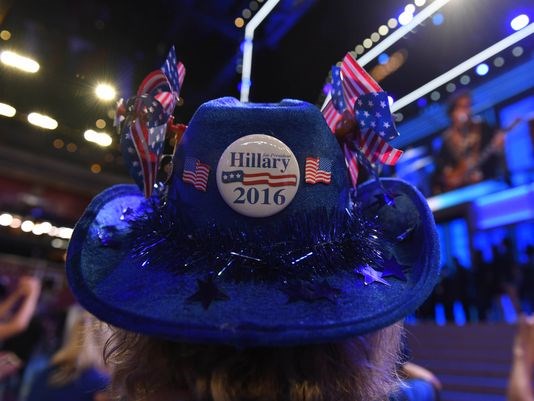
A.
x: 175, y: 71
x: 318, y: 169
x: 262, y: 178
x: 196, y: 173
x: 368, y: 104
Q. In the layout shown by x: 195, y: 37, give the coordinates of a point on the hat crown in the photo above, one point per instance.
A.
x: 268, y: 141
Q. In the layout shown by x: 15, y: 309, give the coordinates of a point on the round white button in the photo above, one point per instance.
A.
x: 258, y: 175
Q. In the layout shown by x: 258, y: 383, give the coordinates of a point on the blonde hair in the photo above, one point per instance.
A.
x: 354, y: 370
x: 82, y: 350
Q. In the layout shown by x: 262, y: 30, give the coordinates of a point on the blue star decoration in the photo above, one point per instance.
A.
x: 370, y: 275
x: 207, y: 292
x: 310, y: 291
x: 391, y: 267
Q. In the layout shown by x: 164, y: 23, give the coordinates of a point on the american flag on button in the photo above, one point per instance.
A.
x: 196, y: 173
x: 318, y: 170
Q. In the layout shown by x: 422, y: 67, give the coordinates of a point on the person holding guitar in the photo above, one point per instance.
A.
x: 471, y: 150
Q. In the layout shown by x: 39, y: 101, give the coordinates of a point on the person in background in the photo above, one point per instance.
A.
x: 521, y: 374
x: 14, y: 322
x: 471, y: 150
x: 76, y: 370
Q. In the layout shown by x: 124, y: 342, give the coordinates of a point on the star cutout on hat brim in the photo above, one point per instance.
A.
x: 207, y: 292
x: 370, y: 275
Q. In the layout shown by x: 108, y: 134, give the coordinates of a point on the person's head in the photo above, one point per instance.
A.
x: 82, y: 349
x: 257, y: 271
x: 362, y: 368
x: 459, y: 108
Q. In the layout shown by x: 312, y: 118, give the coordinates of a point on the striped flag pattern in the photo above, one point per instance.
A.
x: 372, y: 141
x: 196, y: 173
x: 318, y: 170
x: 143, y: 121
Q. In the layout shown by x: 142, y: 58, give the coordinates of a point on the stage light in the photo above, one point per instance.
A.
x: 498, y: 62
x: 239, y: 22
x: 65, y: 232
x: 435, y: 96
x: 359, y: 49
x: 6, y: 110
x: 27, y: 226
x: 57, y: 243
x: 367, y: 43
x: 462, y: 67
x: 253, y: 5
x: 16, y: 222
x: 375, y: 37
x: 482, y: 69
x: 105, y: 92
x: 422, y: 102
x: 42, y: 121
x: 450, y: 87
x: 465, y: 79
x: 247, y: 51
x: 519, y: 22
x: 438, y: 19
x: 15, y: 60
x: 5, y: 219
x: 517, y: 51
x: 5, y: 35
x: 96, y: 168
x: 394, y: 37
x: 246, y: 13
x: 383, y: 58
x: 100, y: 123
x: 405, y: 18
x: 383, y: 30
x: 71, y: 147
x: 410, y: 9
x: 420, y: 3
x: 100, y: 138
x: 58, y: 143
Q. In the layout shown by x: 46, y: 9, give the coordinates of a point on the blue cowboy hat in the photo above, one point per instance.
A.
x: 256, y: 239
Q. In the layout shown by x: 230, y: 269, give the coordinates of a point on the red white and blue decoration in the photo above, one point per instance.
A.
x: 318, y: 170
x: 356, y: 96
x: 144, y: 119
x: 196, y: 173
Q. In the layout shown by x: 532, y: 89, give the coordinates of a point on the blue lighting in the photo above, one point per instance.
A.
x: 438, y: 19
x: 422, y: 102
x: 519, y: 22
x: 482, y: 69
x: 383, y: 58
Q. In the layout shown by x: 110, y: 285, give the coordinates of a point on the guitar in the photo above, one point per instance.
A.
x: 467, y: 170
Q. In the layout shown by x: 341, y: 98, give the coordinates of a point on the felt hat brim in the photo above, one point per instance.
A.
x: 110, y: 282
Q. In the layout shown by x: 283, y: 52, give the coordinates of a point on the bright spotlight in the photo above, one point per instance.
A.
x: 405, y: 18
x: 482, y: 69
x: 6, y: 110
x: 100, y: 138
x: 438, y: 19
x: 410, y: 9
x: 27, y: 226
x: 5, y: 219
x: 15, y: 60
x: 519, y: 22
x: 383, y: 58
x: 42, y: 121
x: 105, y: 92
